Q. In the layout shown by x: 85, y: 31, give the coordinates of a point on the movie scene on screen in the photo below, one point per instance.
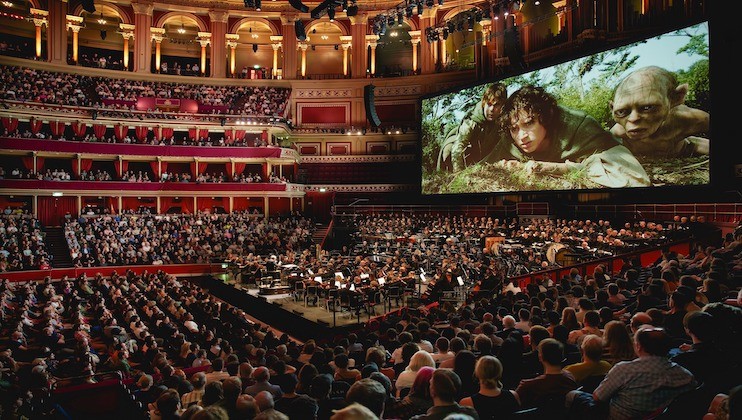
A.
x: 634, y: 116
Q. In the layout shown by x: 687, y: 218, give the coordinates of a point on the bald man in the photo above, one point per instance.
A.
x: 652, y: 119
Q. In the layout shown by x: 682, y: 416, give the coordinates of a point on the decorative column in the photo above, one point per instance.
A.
x: 371, y: 41
x: 39, y: 18
x: 427, y: 20
x: 143, y: 36
x: 74, y: 23
x: 56, y: 33
x: 276, y: 47
x: 415, y: 42
x: 218, y: 42
x: 290, y: 45
x: 303, y: 46
x: 232, y: 45
x: 346, y: 44
x: 204, y: 38
x: 127, y: 32
x: 498, y: 26
x: 358, y: 31
x: 158, y: 34
x: 487, y: 47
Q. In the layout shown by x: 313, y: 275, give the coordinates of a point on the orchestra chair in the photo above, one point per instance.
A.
x: 396, y: 294
x: 299, y: 291
x: 333, y: 300
x: 311, y: 294
x: 373, y: 298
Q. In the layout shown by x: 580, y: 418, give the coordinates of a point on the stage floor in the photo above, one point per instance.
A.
x: 318, y: 314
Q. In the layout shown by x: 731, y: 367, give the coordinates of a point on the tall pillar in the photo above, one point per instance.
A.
x: 303, y: 47
x: 158, y: 34
x: 232, y: 45
x: 127, y: 32
x: 204, y: 38
x: 290, y: 45
x: 56, y: 34
x: 39, y: 18
x: 498, y: 25
x: 427, y: 20
x: 142, y: 35
x: 415, y: 43
x: 346, y: 43
x: 371, y: 41
x: 358, y: 31
x: 218, y: 42
x: 276, y: 44
x: 74, y: 23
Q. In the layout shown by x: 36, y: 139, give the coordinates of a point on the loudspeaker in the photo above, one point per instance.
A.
x: 368, y: 97
x: 88, y: 6
x: 301, y: 34
x: 298, y: 5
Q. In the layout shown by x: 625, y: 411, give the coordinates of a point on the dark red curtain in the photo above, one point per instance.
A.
x: 155, y: 168
x: 167, y: 132
x: 120, y: 131
x: 79, y: 129
x: 192, y: 132
x: 141, y: 133
x: 239, y: 167
x: 39, y: 164
x: 120, y: 166
x: 57, y: 128
x: 229, y: 136
x: 186, y: 204
x: 239, y: 134
x: 10, y: 123
x: 52, y: 210
x: 86, y: 164
x: 264, y: 136
x: 264, y: 169
x: 27, y: 162
x: 196, y: 171
x: 75, y: 167
x: 203, y: 133
x: 99, y: 130
x: 35, y: 125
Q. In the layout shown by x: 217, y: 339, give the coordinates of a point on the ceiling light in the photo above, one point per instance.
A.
x: 102, y: 20
x: 8, y: 4
x: 182, y: 29
x: 325, y: 37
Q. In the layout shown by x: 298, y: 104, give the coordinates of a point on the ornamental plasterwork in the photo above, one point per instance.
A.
x: 323, y: 93
x: 358, y: 159
x: 398, y: 90
x: 361, y: 188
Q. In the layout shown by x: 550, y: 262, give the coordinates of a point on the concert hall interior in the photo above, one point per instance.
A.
x: 357, y: 209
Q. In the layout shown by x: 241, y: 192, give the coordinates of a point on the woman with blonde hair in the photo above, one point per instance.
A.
x: 420, y: 359
x: 617, y: 343
x: 569, y: 319
x: 491, y: 401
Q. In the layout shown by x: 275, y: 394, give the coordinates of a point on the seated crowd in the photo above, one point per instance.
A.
x: 22, y: 243
x: 181, y: 239
x: 31, y: 85
x: 670, y: 342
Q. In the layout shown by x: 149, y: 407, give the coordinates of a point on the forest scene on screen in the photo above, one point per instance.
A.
x: 633, y: 116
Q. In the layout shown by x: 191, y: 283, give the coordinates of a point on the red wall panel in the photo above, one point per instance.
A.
x: 324, y: 115
x: 390, y: 113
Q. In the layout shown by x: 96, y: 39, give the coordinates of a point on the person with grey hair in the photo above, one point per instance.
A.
x: 262, y: 375
x: 198, y: 380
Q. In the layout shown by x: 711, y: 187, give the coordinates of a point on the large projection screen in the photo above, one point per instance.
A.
x: 635, y: 116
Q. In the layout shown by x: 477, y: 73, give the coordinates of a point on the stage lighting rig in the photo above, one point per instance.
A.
x: 324, y: 7
x: 298, y: 5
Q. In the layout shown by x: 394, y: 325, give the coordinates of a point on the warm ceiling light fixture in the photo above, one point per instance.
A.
x: 325, y: 37
x: 255, y: 36
x: 102, y: 20
x: 7, y: 3
x: 182, y: 29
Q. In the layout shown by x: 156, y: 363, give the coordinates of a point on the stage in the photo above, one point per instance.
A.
x: 303, y: 321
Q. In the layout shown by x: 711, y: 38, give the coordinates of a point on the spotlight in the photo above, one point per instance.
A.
x: 255, y: 48
x: 451, y: 27
x: 352, y: 10
x: 298, y: 5
x: 331, y: 13
x: 400, y: 17
x: 103, y: 34
x: 88, y: 6
x: 390, y: 20
x: 470, y: 22
x: 301, y: 34
x: 430, y: 3
x: 408, y: 12
x: 337, y: 47
x: 460, y: 26
x: 445, y: 34
x: 420, y: 8
x: 345, y: 6
x: 258, y: 4
x: 440, y: 2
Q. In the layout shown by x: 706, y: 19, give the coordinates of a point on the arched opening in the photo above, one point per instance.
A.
x: 325, y: 52
x: 254, y: 55
x: 18, y: 34
x: 544, y: 29
x: 180, y: 51
x: 100, y: 43
x: 394, y: 51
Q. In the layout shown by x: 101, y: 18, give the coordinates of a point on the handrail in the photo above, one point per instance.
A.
x: 556, y: 273
x: 327, y: 233
x: 341, y: 210
x: 711, y: 211
x: 116, y: 375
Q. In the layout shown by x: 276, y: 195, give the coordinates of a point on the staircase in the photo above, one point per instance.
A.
x: 57, y: 247
x: 320, y: 233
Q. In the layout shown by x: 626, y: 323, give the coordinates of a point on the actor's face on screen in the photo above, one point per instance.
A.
x: 640, y: 107
x: 492, y: 110
x: 528, y: 133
